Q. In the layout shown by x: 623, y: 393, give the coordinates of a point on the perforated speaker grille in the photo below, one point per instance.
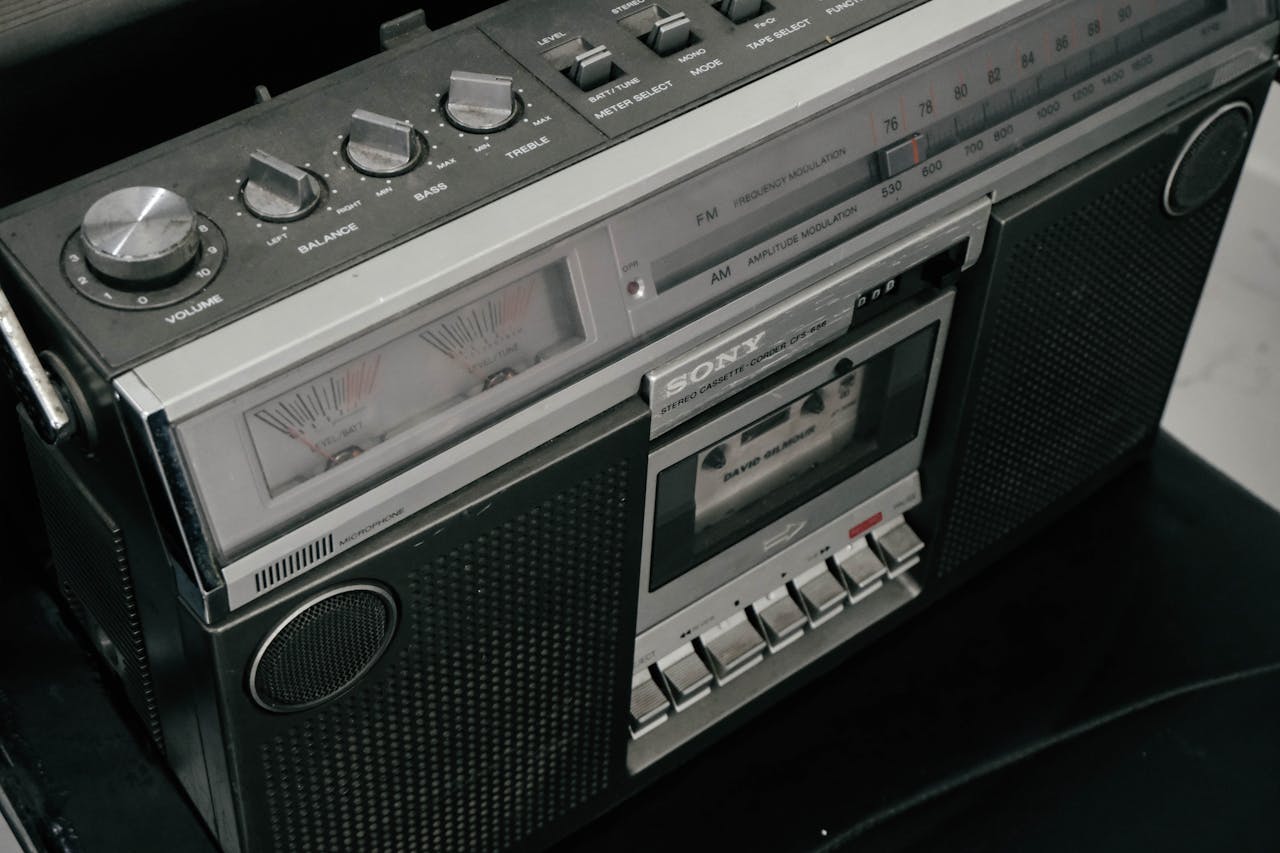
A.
x: 1088, y: 322
x: 497, y: 711
x: 323, y: 649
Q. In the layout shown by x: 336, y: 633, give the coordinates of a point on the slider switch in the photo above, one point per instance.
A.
x: 592, y: 68
x: 741, y: 10
x: 669, y: 34
x: 901, y: 156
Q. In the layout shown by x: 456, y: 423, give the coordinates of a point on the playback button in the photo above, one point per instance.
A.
x: 780, y: 618
x: 821, y: 593
x: 899, y: 545
x: 649, y: 705
x: 688, y: 678
x: 732, y: 647
x: 862, y: 567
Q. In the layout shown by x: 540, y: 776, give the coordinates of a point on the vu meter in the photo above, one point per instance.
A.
x: 490, y: 342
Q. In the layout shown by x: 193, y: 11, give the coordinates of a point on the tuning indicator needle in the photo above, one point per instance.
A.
x: 293, y: 433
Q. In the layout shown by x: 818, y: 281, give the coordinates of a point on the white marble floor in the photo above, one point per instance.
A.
x: 1226, y: 397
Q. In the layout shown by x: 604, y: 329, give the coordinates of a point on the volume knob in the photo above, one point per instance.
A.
x: 139, y: 237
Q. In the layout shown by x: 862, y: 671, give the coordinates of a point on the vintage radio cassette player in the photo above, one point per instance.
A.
x: 443, y: 451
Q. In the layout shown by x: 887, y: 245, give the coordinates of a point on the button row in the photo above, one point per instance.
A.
x: 772, y: 623
x: 592, y: 66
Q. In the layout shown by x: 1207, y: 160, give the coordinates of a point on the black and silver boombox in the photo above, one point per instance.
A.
x: 442, y: 451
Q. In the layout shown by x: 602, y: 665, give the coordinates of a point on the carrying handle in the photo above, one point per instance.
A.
x: 49, y: 414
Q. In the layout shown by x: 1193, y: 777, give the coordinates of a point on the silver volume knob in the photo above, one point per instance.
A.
x: 140, y: 235
x: 381, y: 146
x: 278, y: 191
x: 480, y: 102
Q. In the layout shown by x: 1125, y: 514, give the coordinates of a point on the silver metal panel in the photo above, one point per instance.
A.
x: 211, y: 367
x: 778, y: 536
x: 780, y: 335
x: 774, y: 669
x: 149, y: 425
x: 301, y: 326
x: 459, y: 464
x: 697, y: 616
x: 236, y: 499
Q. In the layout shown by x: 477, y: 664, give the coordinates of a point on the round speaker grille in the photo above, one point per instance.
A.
x: 1209, y: 159
x: 322, y: 648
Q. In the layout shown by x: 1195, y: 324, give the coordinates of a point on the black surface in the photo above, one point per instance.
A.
x: 85, y: 83
x: 1165, y: 580
x: 1111, y: 685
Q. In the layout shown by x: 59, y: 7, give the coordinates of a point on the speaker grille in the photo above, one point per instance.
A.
x: 1210, y: 159
x: 1087, y: 328
x: 323, y: 649
x: 498, y: 713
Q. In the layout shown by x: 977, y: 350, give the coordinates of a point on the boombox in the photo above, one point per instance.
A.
x: 441, y: 452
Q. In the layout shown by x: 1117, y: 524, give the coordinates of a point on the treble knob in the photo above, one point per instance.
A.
x: 140, y: 237
x: 481, y: 103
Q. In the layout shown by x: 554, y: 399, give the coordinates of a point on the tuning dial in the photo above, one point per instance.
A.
x: 481, y: 103
x: 278, y: 191
x: 381, y: 146
x: 140, y: 236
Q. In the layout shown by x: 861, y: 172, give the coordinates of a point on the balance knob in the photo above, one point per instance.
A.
x: 140, y: 236
x: 278, y: 191
x: 480, y: 103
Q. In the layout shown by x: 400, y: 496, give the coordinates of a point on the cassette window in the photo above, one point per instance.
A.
x: 718, y: 496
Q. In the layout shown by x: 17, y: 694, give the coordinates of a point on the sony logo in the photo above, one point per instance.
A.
x: 701, y: 371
